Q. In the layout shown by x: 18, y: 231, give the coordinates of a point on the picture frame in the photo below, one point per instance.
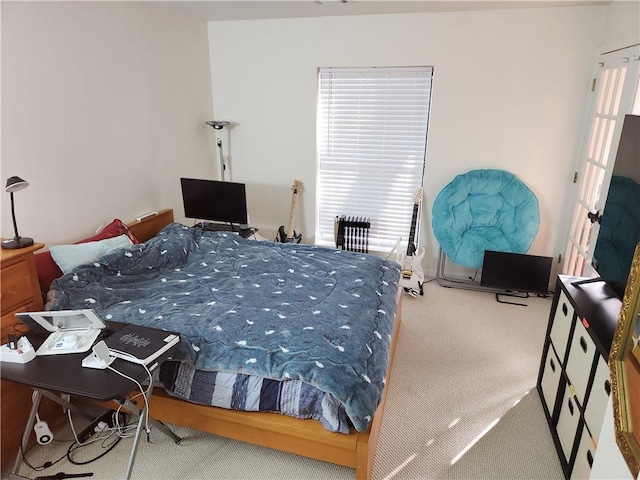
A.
x: 624, y: 365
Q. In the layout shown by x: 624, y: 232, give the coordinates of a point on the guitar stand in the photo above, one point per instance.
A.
x: 413, y: 292
x: 513, y: 294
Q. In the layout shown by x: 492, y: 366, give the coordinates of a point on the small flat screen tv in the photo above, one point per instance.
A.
x: 516, y: 272
x: 215, y: 201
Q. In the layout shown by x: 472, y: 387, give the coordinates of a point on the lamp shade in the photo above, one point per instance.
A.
x: 217, y: 125
x: 15, y: 184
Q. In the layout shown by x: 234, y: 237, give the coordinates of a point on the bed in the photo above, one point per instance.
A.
x: 243, y: 268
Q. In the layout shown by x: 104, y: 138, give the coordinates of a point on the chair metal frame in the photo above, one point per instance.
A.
x: 444, y: 281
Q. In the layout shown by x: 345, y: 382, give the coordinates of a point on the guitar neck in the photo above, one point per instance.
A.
x: 292, y: 213
x: 411, y: 247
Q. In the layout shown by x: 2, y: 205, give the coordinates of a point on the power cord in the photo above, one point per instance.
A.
x: 143, y: 392
x: 75, y: 446
x: 44, y: 466
x: 118, y: 431
x: 23, y: 453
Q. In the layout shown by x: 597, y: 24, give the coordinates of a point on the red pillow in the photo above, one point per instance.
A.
x: 47, y: 268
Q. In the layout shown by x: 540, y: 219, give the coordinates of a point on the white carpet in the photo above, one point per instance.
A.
x: 462, y: 404
x: 463, y: 361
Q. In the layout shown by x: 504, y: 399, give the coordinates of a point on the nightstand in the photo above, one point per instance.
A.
x: 20, y: 288
x: 20, y: 292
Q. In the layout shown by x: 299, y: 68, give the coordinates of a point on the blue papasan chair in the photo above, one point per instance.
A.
x: 480, y: 210
x: 619, y: 232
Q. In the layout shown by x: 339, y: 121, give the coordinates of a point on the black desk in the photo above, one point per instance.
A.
x: 52, y: 375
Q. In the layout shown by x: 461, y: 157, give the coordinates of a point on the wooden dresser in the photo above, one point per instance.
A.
x: 19, y: 285
x: 20, y: 292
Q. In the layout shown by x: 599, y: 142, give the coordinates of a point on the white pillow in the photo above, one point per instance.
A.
x: 68, y: 257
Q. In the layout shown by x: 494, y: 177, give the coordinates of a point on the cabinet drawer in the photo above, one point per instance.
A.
x: 9, y: 320
x: 550, y: 379
x: 584, y: 457
x: 581, y: 356
x: 16, y: 404
x: 15, y: 285
x: 568, y: 423
x: 562, y: 325
x: 598, y: 398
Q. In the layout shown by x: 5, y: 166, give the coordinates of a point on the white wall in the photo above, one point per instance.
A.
x: 623, y: 25
x: 509, y: 92
x: 103, y: 109
x: 622, y: 30
x: 104, y: 104
x: 608, y: 462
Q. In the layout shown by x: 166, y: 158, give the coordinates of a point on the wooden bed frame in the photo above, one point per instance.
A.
x: 273, y: 430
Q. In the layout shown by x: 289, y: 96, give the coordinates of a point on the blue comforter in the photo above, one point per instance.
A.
x: 276, y: 310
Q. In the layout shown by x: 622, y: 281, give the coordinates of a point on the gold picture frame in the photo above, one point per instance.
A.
x: 624, y: 364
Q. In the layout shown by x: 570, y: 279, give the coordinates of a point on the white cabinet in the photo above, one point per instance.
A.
x: 573, y: 381
x: 568, y: 420
x: 561, y: 325
x: 550, y: 379
x: 598, y: 398
x: 584, y: 457
x: 581, y: 356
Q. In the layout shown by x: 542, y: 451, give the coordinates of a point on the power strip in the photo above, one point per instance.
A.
x: 88, y: 432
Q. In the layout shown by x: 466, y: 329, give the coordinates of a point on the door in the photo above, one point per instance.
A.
x: 615, y: 92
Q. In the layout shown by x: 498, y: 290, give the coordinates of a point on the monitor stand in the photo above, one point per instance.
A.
x: 226, y: 227
x: 512, y: 294
x: 216, y: 227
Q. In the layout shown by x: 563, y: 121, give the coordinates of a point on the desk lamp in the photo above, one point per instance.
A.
x: 15, y: 184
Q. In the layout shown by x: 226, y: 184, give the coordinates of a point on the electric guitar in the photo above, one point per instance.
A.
x: 412, y: 274
x: 289, y: 235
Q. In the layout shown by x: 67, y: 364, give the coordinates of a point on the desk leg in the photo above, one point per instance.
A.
x: 142, y: 413
x: 134, y: 448
x: 63, y: 403
x: 31, y: 420
x: 126, y: 403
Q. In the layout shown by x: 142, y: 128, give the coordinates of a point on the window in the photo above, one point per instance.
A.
x: 371, y: 140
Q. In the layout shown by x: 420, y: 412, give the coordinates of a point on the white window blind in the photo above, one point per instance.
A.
x: 371, y: 140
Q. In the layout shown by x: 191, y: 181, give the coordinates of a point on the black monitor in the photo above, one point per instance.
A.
x: 223, y: 202
x: 516, y: 272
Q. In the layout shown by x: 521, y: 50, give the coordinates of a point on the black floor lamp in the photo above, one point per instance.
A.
x: 15, y: 184
x: 217, y: 126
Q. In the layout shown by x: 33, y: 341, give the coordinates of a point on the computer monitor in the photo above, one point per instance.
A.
x: 516, y: 272
x: 215, y: 201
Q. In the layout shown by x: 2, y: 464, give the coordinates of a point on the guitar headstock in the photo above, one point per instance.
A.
x: 297, y: 186
x: 417, y: 197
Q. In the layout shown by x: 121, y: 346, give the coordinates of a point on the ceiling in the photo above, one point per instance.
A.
x: 215, y: 10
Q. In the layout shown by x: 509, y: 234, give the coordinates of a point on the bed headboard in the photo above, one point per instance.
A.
x: 148, y: 227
